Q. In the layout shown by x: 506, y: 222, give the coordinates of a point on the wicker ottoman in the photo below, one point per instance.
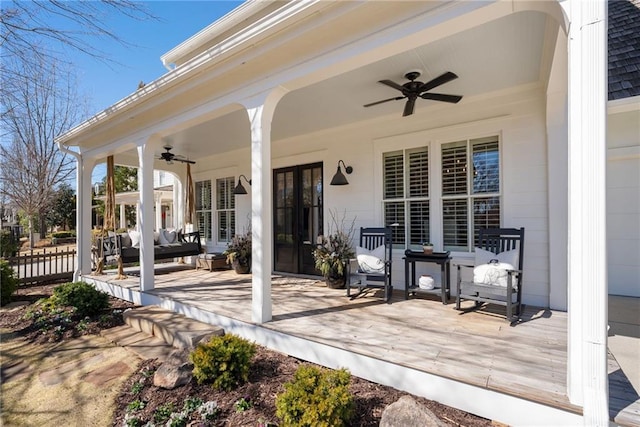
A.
x: 213, y: 261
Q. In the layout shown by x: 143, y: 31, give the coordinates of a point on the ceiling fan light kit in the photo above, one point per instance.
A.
x: 413, y: 89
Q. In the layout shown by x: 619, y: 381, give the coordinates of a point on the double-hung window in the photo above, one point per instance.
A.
x: 225, y: 209
x: 406, y: 195
x: 470, y: 190
x: 203, y: 208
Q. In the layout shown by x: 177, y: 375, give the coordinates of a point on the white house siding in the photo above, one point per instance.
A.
x: 517, y: 117
x: 623, y: 203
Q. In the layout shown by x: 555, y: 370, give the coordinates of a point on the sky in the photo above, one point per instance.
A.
x: 105, y: 83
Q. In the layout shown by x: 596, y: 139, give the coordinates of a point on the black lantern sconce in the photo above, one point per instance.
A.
x: 339, y: 178
x: 240, y: 188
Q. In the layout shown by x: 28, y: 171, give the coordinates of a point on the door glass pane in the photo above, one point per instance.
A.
x: 288, y: 189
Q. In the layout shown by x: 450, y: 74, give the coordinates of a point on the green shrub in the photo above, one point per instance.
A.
x: 316, y: 397
x: 224, y: 361
x: 84, y: 297
x: 63, y: 234
x: 8, y: 246
x: 8, y: 282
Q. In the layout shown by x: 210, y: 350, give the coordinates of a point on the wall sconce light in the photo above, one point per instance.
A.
x: 240, y: 188
x: 339, y: 178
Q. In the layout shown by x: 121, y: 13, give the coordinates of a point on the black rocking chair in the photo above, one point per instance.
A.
x: 374, y: 262
x: 508, y: 291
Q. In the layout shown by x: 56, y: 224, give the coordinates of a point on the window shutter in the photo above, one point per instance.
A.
x: 224, y: 193
x: 394, y: 214
x: 455, y: 224
x: 418, y: 165
x: 393, y: 175
x: 486, y: 214
x: 419, y: 222
x: 203, y: 195
x: 454, y: 168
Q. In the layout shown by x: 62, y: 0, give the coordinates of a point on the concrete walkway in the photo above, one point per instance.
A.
x: 624, y: 336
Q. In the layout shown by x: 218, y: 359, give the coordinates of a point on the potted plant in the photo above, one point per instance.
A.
x: 333, y: 253
x: 239, y: 253
x: 427, y: 248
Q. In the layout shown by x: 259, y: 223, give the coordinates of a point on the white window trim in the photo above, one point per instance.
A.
x: 215, y: 235
x: 213, y: 175
x: 434, y: 139
x: 470, y: 196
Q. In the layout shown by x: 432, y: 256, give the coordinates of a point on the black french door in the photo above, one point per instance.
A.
x: 297, y: 217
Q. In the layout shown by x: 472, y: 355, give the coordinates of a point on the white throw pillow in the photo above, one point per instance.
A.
x: 484, y: 257
x: 166, y: 237
x: 135, y: 238
x: 494, y: 273
x: 371, y: 261
x: 171, y: 236
x: 491, y: 269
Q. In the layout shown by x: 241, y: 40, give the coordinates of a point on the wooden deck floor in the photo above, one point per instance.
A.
x: 478, y: 348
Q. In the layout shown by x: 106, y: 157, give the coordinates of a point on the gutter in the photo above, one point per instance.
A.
x: 228, y: 21
x: 79, y: 214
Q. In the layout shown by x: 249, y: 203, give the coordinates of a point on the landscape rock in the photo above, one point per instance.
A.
x: 176, y: 371
x: 406, y: 412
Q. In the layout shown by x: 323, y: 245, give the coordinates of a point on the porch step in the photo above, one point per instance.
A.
x: 174, y: 329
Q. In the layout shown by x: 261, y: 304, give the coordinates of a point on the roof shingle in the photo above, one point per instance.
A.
x: 624, y: 48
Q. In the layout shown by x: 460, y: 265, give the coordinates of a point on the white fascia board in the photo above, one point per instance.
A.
x: 204, y: 36
x: 623, y: 105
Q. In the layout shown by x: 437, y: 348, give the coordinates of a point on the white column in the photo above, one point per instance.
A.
x: 145, y: 219
x: 158, y: 210
x: 83, y: 206
x: 587, y: 341
x: 123, y: 216
x: 260, y: 112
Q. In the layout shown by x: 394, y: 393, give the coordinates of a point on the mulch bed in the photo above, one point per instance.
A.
x: 270, y: 370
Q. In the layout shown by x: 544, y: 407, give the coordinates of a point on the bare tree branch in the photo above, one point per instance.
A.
x: 38, y: 106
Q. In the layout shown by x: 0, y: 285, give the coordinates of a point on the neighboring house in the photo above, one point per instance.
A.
x: 164, y: 194
x: 623, y: 149
x: 275, y: 91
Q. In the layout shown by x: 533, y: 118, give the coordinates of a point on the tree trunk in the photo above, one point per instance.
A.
x: 31, y: 239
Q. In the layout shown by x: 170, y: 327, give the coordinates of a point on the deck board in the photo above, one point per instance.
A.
x: 528, y: 360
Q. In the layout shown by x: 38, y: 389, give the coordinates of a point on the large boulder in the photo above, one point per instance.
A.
x: 176, y: 371
x: 406, y: 412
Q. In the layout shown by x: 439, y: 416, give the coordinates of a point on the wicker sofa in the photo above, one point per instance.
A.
x: 167, y: 244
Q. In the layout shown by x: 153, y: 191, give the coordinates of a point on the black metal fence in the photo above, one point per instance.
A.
x: 42, y: 265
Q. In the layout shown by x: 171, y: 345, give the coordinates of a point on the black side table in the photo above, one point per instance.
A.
x: 441, y: 258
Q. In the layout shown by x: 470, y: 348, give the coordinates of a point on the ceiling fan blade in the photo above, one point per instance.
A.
x: 385, y: 100
x: 440, y: 80
x: 408, y: 107
x: 185, y: 161
x: 392, y: 84
x: 454, y: 99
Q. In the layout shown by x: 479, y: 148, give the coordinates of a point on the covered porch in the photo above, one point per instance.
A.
x: 474, y: 361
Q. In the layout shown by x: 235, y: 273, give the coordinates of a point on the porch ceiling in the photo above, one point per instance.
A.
x: 492, y: 57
